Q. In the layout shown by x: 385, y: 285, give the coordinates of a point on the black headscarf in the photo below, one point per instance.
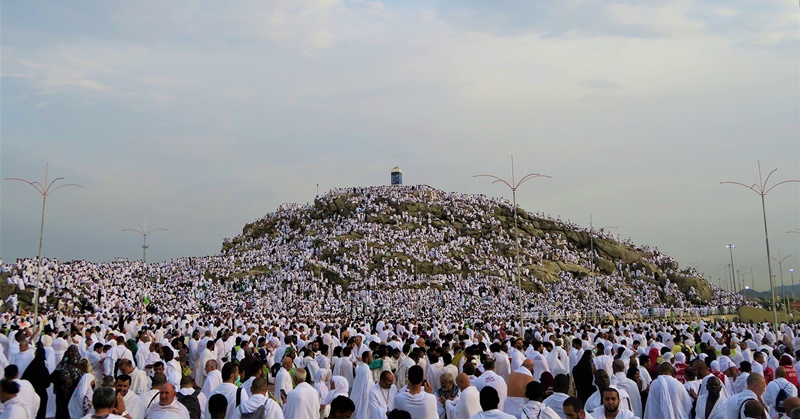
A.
x: 37, y: 373
x: 582, y: 374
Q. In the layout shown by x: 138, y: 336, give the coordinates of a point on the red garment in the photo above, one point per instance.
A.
x: 791, y: 374
x: 680, y: 373
x: 653, y: 360
x: 769, y: 374
x: 720, y: 375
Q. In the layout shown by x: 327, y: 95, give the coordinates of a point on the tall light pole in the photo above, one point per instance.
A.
x: 144, y: 231
x: 780, y: 267
x: 791, y: 271
x: 591, y: 244
x: 762, y: 190
x: 44, y: 189
x: 733, y: 277
x: 513, y: 185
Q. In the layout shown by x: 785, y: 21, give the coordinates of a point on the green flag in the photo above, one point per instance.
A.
x: 145, y: 300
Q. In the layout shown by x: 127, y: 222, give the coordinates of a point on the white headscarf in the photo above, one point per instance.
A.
x: 79, y: 397
x: 321, y: 383
x: 341, y: 388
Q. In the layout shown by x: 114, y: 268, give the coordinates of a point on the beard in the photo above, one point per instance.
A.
x: 611, y: 410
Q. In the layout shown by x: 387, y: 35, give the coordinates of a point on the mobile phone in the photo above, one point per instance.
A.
x: 424, y: 383
x: 283, y: 393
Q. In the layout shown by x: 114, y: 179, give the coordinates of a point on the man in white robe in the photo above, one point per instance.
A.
x: 344, y: 367
x: 227, y: 388
x: 490, y: 379
x: 283, y: 379
x: 621, y: 381
x: 774, y: 387
x: 560, y: 389
x: 272, y: 409
x: 23, y: 358
x: 205, y: 355
x: 415, y: 399
x: 362, y: 385
x: 712, y: 404
x: 213, y: 378
x: 381, y: 396
x: 468, y: 402
x: 138, y: 377
x: 668, y: 398
x: 303, y: 401
x: 167, y: 407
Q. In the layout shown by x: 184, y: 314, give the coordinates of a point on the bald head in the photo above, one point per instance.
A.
x: 791, y: 403
x: 528, y: 364
x: 618, y: 366
x: 780, y: 372
x: 462, y: 381
x: 666, y: 368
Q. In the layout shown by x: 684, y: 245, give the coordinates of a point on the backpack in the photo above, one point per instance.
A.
x: 258, y: 414
x: 191, y: 403
x: 779, y: 399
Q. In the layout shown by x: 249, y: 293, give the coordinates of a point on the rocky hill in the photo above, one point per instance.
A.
x: 426, y: 237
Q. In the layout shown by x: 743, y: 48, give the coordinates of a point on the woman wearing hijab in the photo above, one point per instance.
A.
x: 39, y: 376
x: 582, y: 374
x: 80, y: 403
x: 321, y: 383
x: 653, y: 367
x: 635, y: 375
x: 339, y: 387
x: 65, y: 380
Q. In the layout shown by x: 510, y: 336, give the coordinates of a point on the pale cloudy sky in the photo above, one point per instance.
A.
x: 203, y: 116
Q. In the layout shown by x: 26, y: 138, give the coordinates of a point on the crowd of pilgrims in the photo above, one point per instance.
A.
x: 108, y: 365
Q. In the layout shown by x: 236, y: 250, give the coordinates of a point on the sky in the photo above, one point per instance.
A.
x: 201, y: 116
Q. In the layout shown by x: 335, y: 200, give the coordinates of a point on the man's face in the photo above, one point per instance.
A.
x: 445, y: 385
x: 388, y: 382
x: 570, y: 413
x: 166, y: 395
x: 315, y: 346
x: 714, y: 387
x: 518, y: 344
x: 602, y: 379
x: 610, y: 401
x: 158, y: 369
x: 122, y: 387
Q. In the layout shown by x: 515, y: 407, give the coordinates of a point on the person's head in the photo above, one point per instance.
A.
x: 780, y: 372
x: 447, y: 381
x: 666, y: 368
x: 166, y: 394
x: 398, y: 414
x: 754, y: 409
x: 158, y: 368
x: 701, y: 368
x: 157, y: 381
x: 8, y: 389
x: 714, y: 387
x: 462, y: 381
x: 386, y: 380
x: 791, y: 403
x: 126, y: 366
x: 342, y: 408
x: 259, y: 386
x: 602, y: 379
x: 618, y: 366
x: 561, y: 383
x: 187, y: 382
x: 528, y: 364
x: 573, y: 408
x: 287, y: 363
x: 217, y: 406
x: 229, y: 372
x: 299, y: 376
x: 103, y: 399
x: 123, y: 384
x: 11, y: 371
x: 415, y: 375
x: 610, y: 397
x: 489, y: 398
x: 756, y: 384
x: 534, y: 391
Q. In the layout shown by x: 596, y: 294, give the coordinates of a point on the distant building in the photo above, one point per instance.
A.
x: 397, y: 176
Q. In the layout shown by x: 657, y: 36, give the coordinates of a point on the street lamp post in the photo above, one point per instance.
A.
x: 733, y: 277
x: 762, y: 190
x: 783, y: 288
x: 513, y: 185
x: 791, y: 271
x: 44, y: 189
x: 144, y: 231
